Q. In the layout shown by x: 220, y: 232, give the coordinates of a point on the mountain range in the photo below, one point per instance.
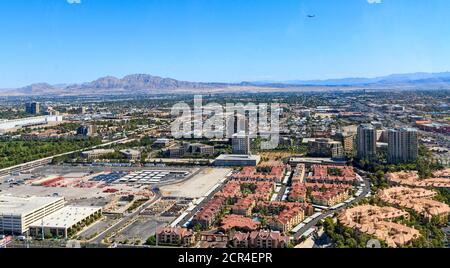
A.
x: 414, y: 78
x: 148, y: 84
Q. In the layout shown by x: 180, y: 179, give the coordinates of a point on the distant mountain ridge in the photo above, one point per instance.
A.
x: 135, y: 83
x: 141, y: 82
x: 147, y: 84
x: 420, y: 77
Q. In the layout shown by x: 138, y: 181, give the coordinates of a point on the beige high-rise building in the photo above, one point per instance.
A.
x: 367, y: 142
x: 402, y: 146
x: 347, y: 140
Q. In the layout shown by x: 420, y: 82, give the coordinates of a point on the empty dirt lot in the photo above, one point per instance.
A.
x: 198, y: 185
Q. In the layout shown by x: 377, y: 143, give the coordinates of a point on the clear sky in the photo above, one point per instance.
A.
x: 220, y: 40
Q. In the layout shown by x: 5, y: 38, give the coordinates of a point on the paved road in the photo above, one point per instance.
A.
x: 43, y: 161
x: 366, y: 190
x: 123, y: 222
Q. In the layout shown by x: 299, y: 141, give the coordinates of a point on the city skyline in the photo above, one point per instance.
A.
x: 61, y: 42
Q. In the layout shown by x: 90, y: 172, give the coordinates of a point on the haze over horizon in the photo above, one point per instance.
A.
x: 220, y: 40
x: 416, y: 75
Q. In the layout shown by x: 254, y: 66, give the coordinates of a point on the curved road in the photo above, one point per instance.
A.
x: 328, y: 213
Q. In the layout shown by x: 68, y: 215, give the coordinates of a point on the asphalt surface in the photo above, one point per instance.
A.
x: 325, y: 214
x: 124, y: 221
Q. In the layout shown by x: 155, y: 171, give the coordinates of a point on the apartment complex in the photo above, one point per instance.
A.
x: 439, y: 180
x: 238, y: 222
x: 417, y: 199
x: 273, y: 173
x: 259, y: 239
x: 332, y: 175
x: 330, y: 197
x: 287, y: 219
x: 377, y: 221
x: 175, y: 236
x: 208, y: 214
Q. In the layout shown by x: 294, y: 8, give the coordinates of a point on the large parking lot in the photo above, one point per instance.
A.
x: 143, y: 177
x: 141, y: 229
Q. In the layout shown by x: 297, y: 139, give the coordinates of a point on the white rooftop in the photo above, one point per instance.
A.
x: 237, y: 157
x: 130, y: 151
x: 66, y: 217
x: 14, y: 205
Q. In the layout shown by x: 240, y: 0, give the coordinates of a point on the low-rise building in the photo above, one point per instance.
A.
x: 17, y: 213
x: 65, y: 222
x: 412, y: 179
x: 262, y: 173
x: 208, y: 214
x: 298, y: 192
x: 326, y: 148
x: 332, y: 175
x: 377, y: 221
x: 329, y: 197
x: 161, y: 143
x: 97, y: 153
x: 244, y: 207
x: 176, y: 236
x: 189, y: 149
x: 417, y: 199
x: 287, y: 219
x: 229, y: 160
x: 131, y: 154
x: 238, y: 222
x: 259, y: 239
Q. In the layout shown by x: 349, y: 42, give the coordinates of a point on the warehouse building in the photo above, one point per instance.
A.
x: 65, y: 222
x: 229, y: 160
x: 17, y: 213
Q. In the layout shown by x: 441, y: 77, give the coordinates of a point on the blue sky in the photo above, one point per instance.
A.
x: 220, y: 40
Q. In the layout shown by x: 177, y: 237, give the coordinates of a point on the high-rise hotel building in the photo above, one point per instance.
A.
x: 402, y: 145
x: 367, y: 142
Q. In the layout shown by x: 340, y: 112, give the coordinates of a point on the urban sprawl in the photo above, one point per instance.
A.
x: 356, y: 169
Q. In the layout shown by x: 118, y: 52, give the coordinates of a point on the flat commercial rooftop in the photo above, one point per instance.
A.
x: 198, y: 185
x: 316, y: 160
x: 236, y: 157
x: 14, y: 205
x: 66, y: 217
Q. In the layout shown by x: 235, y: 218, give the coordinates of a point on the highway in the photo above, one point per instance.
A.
x: 44, y: 161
